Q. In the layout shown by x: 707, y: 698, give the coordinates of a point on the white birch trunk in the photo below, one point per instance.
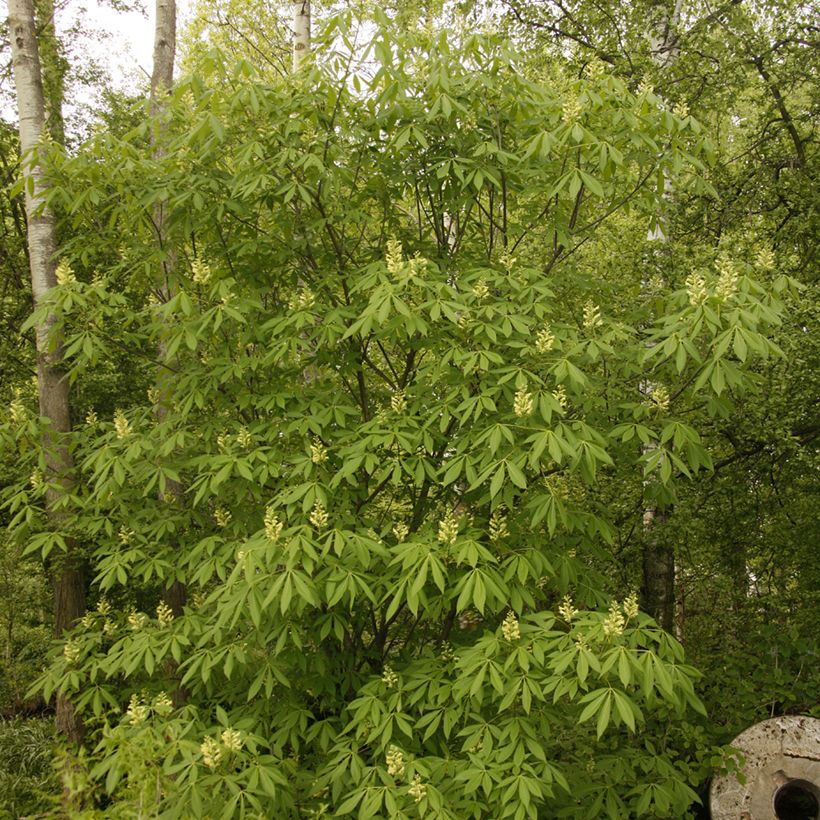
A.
x: 162, y: 79
x: 67, y: 577
x: 301, y: 32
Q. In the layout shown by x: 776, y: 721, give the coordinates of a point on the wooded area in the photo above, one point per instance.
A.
x: 410, y: 411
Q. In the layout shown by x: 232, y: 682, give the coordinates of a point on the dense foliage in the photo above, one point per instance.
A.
x: 413, y: 379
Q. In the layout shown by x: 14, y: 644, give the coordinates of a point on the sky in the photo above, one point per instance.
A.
x: 128, y: 51
x: 121, y: 42
x: 128, y: 48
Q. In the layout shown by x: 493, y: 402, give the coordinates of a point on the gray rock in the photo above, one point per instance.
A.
x: 782, y: 773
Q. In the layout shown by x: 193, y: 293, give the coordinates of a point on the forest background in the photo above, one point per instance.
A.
x: 433, y: 388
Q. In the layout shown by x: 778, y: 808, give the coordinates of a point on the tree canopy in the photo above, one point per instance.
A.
x: 383, y: 363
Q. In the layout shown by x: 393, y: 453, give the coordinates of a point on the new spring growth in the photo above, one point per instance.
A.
x: 655, y: 283
x: 631, y: 608
x: 223, y: 442
x: 560, y: 395
x: 163, y: 705
x: 273, y: 526
x: 389, y: 677
x: 765, y: 259
x: 646, y: 88
x: 103, y: 606
x: 232, y: 740
x: 418, y: 790
x: 523, y: 403
x: 401, y: 531
x: 165, y: 616
x: 303, y: 299
x: 64, y: 274
x: 480, y: 290
x: 122, y: 426
x: 592, y: 316
x: 498, y: 525
x: 137, y: 711
x: 211, y: 752
x: 727, y: 279
x: 87, y: 620
x: 681, y: 110
x: 544, y: 340
x: 393, y: 257
x: 509, y: 628
x: 571, y: 110
x: 566, y: 610
x: 222, y: 517
x: 318, y: 516
x: 448, y: 529
x: 659, y: 397
x: 614, y: 622
x: 696, y: 289
x: 137, y: 620
x: 91, y: 418
x: 244, y: 438
x: 200, y: 272
x: 595, y: 68
x: 36, y: 479
x: 395, y: 762
x: 318, y: 451
x: 507, y: 261
x: 17, y: 410
x: 398, y: 402
x: 125, y: 535
x: 71, y: 652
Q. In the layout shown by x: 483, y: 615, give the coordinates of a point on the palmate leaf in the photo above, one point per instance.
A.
x: 342, y: 421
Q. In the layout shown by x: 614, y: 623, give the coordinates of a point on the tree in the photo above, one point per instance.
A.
x: 67, y: 571
x: 762, y: 188
x: 166, y: 288
x: 394, y: 562
x: 240, y: 30
x: 301, y: 32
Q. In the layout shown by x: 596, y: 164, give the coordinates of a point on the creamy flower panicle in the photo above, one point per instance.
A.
x: 523, y: 403
x: 510, y: 628
x: 318, y: 516
x: 448, y: 529
x: 395, y: 762
x: 273, y: 526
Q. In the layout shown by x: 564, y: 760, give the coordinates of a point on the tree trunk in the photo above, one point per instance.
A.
x: 53, y: 68
x: 165, y: 44
x: 658, y: 588
x: 67, y: 575
x: 658, y: 591
x: 301, y: 32
x: 162, y: 78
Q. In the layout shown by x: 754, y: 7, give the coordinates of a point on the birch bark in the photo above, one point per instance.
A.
x: 67, y: 575
x: 162, y: 78
x: 301, y: 32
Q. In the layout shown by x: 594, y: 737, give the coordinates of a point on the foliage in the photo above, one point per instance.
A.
x: 26, y: 638
x: 27, y: 774
x: 421, y: 375
x: 404, y: 394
